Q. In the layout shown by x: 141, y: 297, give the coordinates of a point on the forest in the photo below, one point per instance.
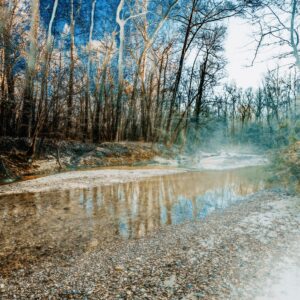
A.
x: 143, y: 70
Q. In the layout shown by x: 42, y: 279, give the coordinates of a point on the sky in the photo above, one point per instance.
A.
x: 240, y: 50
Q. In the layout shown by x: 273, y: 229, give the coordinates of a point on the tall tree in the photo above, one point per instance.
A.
x: 28, y: 103
x: 87, y: 91
x: 71, y: 72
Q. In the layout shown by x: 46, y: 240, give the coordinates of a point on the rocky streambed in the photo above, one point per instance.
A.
x: 229, y: 255
x: 150, y: 233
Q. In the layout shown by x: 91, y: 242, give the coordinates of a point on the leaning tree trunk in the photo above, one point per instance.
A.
x: 180, y: 69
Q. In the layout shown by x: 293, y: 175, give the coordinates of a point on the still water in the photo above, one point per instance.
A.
x: 59, y: 222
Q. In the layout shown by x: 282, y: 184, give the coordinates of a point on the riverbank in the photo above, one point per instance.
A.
x: 158, y: 166
x: 52, y: 156
x: 229, y: 255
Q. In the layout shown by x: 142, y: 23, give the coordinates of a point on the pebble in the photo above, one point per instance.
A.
x: 159, y: 267
x: 119, y: 268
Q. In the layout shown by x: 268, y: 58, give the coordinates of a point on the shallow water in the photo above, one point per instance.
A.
x: 61, y: 223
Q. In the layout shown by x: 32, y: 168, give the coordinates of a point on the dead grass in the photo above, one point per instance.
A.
x: 287, y: 166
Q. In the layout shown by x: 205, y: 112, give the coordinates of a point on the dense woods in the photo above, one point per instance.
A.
x: 141, y: 70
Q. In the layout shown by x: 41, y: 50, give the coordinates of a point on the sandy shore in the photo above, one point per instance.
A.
x: 111, y: 175
x: 84, y: 179
x: 235, y: 254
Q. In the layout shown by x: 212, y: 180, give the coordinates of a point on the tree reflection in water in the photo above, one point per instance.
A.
x: 73, y: 220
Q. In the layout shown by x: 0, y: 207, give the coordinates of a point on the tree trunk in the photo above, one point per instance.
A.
x: 201, y: 90
x: 180, y: 68
x: 28, y: 105
x: 71, y: 74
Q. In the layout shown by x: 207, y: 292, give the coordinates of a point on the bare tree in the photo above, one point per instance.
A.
x: 279, y: 25
x: 28, y: 105
x: 87, y: 92
x: 71, y: 72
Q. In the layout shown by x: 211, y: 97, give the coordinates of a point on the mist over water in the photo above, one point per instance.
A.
x: 228, y: 157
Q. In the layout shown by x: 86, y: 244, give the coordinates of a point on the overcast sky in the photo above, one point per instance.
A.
x: 239, y: 51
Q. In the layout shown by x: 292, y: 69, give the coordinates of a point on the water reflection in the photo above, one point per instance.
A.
x: 76, y: 218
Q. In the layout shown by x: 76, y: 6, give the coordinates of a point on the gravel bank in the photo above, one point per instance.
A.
x: 84, y: 179
x: 229, y: 255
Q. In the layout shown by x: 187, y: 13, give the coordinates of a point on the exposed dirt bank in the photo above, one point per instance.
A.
x: 52, y: 156
x: 229, y: 255
x: 108, y: 176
